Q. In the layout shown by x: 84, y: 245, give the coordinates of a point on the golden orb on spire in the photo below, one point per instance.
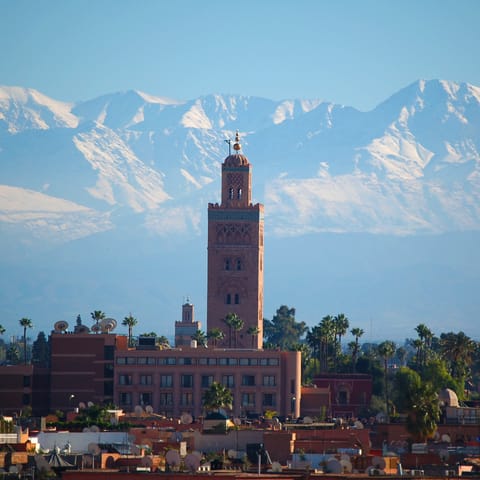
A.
x: 236, y: 145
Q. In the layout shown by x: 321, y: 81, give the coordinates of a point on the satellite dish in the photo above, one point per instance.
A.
x: 85, y: 429
x: 446, y: 438
x: 96, y: 328
x: 173, y: 458
x: 60, y: 326
x: 307, y: 420
x: 108, y: 324
x: 138, y: 410
x: 237, y: 421
x: 186, y: 418
x: 93, y: 449
x: 90, y: 404
x: 192, y: 462
x: 334, y: 466
x: 346, y: 465
x: 94, y: 428
x: 232, y: 453
x: 82, y: 405
x: 276, y: 467
x: 149, y: 409
x: 358, y: 424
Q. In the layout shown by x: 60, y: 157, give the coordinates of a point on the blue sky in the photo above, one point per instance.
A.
x: 355, y: 53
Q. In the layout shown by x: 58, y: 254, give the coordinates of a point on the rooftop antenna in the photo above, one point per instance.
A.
x: 229, y: 141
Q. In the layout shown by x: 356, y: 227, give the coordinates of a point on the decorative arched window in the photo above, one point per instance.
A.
x: 228, y: 300
x: 239, y: 264
x: 227, y: 264
x: 237, y: 299
x: 230, y: 193
x: 239, y: 194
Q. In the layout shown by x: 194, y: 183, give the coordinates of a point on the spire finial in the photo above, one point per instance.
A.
x: 236, y: 145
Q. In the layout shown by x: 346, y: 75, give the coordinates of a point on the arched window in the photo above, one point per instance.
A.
x: 237, y: 299
x: 227, y: 264
x: 228, y: 300
x: 239, y: 264
x: 230, y: 193
x: 239, y: 194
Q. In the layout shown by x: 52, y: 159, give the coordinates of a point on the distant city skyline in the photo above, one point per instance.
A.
x: 347, y: 52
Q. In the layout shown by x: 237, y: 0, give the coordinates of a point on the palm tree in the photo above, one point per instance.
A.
x: 253, y: 331
x: 130, y: 322
x: 25, y: 323
x: 357, y: 333
x: 234, y: 323
x: 216, y: 335
x: 200, y: 337
x: 97, y: 315
x: 425, y: 336
x: 457, y: 349
x: 217, y: 397
x: 2, y: 330
x: 163, y: 342
x: 327, y: 334
x: 386, y: 350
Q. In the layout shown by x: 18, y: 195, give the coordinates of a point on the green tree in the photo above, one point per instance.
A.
x: 41, y: 351
x: 425, y: 337
x: 2, y: 330
x: 253, y: 332
x: 216, y: 335
x: 200, y: 338
x: 163, y: 342
x: 130, y: 321
x: 217, y: 397
x: 283, y: 330
x: 13, y: 354
x: 25, y: 323
x: 423, y: 413
x: 341, y: 324
x: 386, y: 350
x: 357, y: 333
x: 97, y: 315
x: 458, y: 350
x: 235, y: 324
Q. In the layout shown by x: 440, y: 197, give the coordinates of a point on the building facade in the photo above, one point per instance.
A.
x: 235, y: 256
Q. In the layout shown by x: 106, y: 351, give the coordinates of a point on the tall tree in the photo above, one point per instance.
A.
x: 2, y: 330
x: 357, y: 333
x: 386, y: 350
x: 130, y: 321
x: 200, y: 338
x: 217, y: 397
x: 253, y: 332
x: 215, y: 334
x: 283, y: 330
x: 97, y: 315
x: 25, y: 323
x: 327, y: 335
x: 235, y: 324
x: 341, y: 324
x: 425, y: 336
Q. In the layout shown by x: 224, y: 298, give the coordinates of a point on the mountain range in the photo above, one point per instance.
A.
x: 374, y: 214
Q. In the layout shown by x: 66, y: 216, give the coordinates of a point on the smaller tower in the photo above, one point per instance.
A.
x: 187, y: 327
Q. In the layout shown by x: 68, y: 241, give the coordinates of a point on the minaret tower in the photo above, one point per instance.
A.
x: 235, y: 256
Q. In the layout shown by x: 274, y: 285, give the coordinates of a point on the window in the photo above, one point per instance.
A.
x: 269, y: 380
x: 268, y: 400
x: 230, y: 193
x: 167, y: 361
x: 166, y: 381
x: 228, y: 299
x: 232, y: 361
x: 108, y: 370
x: 26, y: 381
x: 273, y: 362
x: 239, y: 194
x: 248, y: 399
x: 239, y: 264
x: 108, y: 352
x: 146, y: 361
x: 125, y: 379
x: 237, y: 299
x: 131, y: 361
x: 248, y: 380
x: 228, y: 381
x: 227, y: 264
x: 145, y: 380
x: 145, y: 398
x: 212, y: 361
x: 166, y: 399
x: 185, y: 361
x: 222, y: 361
x: 121, y: 360
x: 186, y: 399
x: 26, y: 399
x: 186, y: 381
x: 207, y: 381
x: 243, y: 361
x: 343, y: 397
x: 125, y: 398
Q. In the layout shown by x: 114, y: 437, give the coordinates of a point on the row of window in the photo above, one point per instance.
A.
x: 229, y: 264
x: 186, y: 381
x: 263, y: 362
x: 166, y: 399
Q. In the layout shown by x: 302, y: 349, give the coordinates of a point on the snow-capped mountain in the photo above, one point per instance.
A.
x: 130, y: 163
